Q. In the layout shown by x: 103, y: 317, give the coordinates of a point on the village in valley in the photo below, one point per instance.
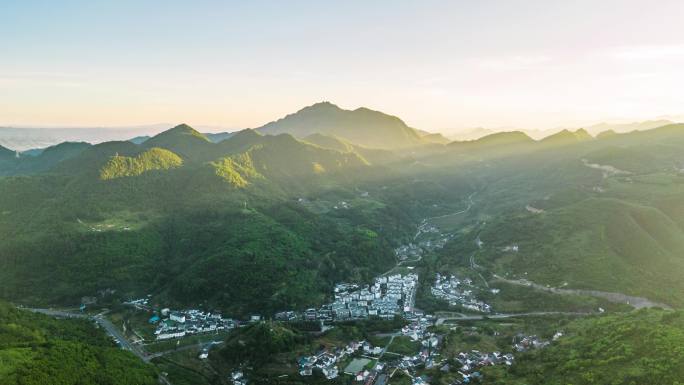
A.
x: 420, y: 347
x: 394, y: 295
x: 369, y: 364
x: 180, y: 323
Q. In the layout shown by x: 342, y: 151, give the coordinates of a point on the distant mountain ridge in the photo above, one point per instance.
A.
x: 361, y: 126
x: 567, y: 137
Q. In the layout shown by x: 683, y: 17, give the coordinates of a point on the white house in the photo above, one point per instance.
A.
x: 177, y: 317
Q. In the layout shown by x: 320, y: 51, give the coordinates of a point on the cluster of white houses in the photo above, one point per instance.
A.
x: 458, y: 292
x: 176, y: 324
x: 387, y: 297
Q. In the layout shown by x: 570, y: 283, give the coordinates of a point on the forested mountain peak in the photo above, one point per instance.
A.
x: 361, y: 126
x: 181, y: 130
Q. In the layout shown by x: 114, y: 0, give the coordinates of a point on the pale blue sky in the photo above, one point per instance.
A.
x: 438, y: 64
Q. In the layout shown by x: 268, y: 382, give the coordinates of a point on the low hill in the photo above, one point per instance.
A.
x: 362, y: 126
x: 240, y: 141
x: 566, y: 137
x: 330, y: 142
x: 43, y: 160
x: 93, y: 158
x: 496, y: 139
x: 8, y: 161
x: 183, y: 140
x: 431, y: 137
x: 219, y: 137
x: 373, y: 156
x: 635, y: 348
x: 283, y: 156
x: 6, y: 153
x: 153, y: 159
x: 494, y: 145
x: 36, y: 349
x: 606, y: 134
x: 139, y: 139
x: 62, y: 151
x: 258, y: 343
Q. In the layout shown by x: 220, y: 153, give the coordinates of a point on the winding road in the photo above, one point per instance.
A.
x: 470, y: 205
x: 635, y: 302
x: 440, y: 321
x: 114, y: 332
x: 102, y: 322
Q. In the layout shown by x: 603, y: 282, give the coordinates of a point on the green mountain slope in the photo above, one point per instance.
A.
x: 6, y: 153
x: 361, y: 126
x: 433, y: 137
x: 600, y: 244
x: 266, y: 211
x: 513, y: 138
x: 636, y: 348
x: 328, y: 141
x: 153, y: 159
x: 43, y: 161
x: 219, y: 137
x: 373, y: 156
x: 37, y: 350
x: 145, y: 220
x: 597, y: 214
x: 93, y: 158
x: 182, y: 140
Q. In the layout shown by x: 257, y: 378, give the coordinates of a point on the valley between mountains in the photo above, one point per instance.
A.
x: 500, y: 260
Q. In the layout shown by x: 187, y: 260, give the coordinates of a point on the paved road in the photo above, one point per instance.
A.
x: 123, y: 341
x: 388, y: 344
x: 440, y: 321
x: 110, y: 329
x: 103, y: 322
x: 470, y: 205
x: 635, y: 302
x: 57, y: 313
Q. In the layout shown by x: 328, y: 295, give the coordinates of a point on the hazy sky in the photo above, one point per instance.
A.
x: 437, y: 64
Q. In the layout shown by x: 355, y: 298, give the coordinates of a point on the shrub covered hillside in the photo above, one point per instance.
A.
x: 152, y: 159
x: 644, y: 348
x: 191, y: 222
x: 258, y: 343
x: 604, y: 214
x: 38, y: 350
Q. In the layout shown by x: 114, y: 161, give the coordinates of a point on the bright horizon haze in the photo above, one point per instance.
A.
x: 439, y: 65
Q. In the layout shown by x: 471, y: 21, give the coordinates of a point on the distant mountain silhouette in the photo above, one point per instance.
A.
x: 362, y: 126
